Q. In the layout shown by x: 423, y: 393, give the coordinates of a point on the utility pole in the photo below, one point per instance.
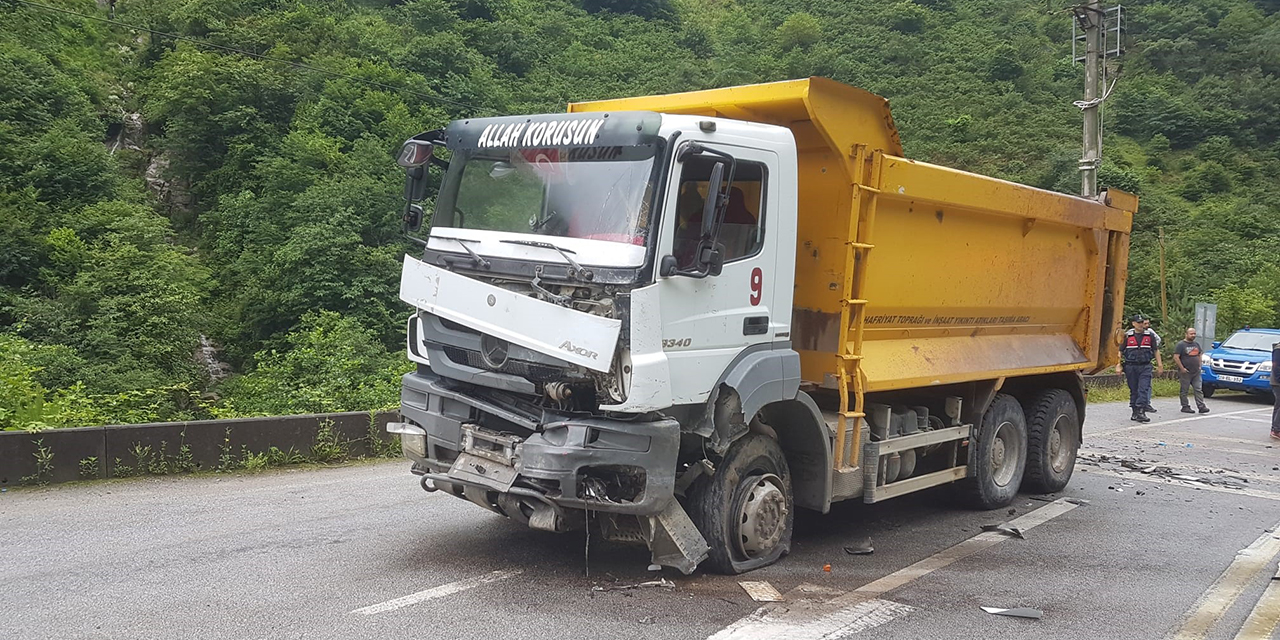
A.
x: 1090, y: 18
x: 1164, y: 296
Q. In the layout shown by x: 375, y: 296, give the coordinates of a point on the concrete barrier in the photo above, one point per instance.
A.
x: 64, y: 455
x: 1108, y: 380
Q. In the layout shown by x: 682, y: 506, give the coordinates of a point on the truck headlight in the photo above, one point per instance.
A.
x: 1205, y: 359
x: 1265, y: 366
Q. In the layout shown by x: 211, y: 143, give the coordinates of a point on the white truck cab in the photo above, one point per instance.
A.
x: 588, y: 283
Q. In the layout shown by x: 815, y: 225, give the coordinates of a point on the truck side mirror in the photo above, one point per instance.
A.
x: 1216, y: 343
x: 669, y: 266
x: 713, y: 259
x: 709, y: 207
x: 413, y: 215
x: 414, y: 156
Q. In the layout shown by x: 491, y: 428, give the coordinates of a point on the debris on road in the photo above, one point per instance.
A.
x: 862, y: 548
x: 1020, y: 612
x: 1007, y: 529
x: 1155, y: 469
x: 761, y: 591
x: 1080, y: 502
x: 826, y: 568
x: 661, y: 582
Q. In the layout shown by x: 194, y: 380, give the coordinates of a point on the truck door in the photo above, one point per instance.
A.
x: 707, y: 322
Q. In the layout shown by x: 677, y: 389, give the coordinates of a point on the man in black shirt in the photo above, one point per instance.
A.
x: 1186, y: 354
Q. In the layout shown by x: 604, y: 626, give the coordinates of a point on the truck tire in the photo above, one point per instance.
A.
x: 745, y: 510
x: 1207, y: 390
x: 1053, y: 439
x: 999, y: 455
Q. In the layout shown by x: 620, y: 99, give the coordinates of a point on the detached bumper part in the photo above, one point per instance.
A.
x: 568, y: 466
x: 674, y: 540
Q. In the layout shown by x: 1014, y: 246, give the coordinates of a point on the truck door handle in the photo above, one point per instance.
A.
x: 755, y: 325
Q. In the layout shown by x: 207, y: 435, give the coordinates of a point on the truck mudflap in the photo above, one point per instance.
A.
x: 552, y: 477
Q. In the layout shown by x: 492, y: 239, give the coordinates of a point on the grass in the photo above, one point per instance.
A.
x: 1160, y: 388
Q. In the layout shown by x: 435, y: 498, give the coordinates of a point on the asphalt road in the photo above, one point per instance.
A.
x: 334, y: 553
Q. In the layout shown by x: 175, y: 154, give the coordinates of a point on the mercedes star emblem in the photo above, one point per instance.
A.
x: 493, y: 351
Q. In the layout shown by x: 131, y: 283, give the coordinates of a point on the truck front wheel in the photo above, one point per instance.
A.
x: 1053, y: 439
x: 999, y: 455
x: 745, y: 510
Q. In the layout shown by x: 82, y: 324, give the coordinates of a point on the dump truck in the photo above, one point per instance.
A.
x: 675, y: 319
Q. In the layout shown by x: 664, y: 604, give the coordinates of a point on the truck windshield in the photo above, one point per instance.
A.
x: 594, y: 193
x: 1251, y: 341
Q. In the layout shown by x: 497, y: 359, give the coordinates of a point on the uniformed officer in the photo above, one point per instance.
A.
x: 1139, y: 347
x: 1275, y: 390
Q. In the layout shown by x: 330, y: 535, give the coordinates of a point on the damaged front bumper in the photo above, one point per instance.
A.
x: 561, y: 466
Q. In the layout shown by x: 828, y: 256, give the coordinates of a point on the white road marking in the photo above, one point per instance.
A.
x: 810, y: 613
x: 437, y: 592
x: 1224, y: 591
x: 1142, y: 477
x: 1150, y: 425
x: 814, y: 613
x: 965, y: 549
x: 1262, y: 420
x: 1265, y: 617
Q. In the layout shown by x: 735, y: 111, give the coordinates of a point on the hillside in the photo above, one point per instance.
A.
x: 223, y: 176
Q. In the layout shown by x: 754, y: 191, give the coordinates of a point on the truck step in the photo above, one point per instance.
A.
x: 916, y: 483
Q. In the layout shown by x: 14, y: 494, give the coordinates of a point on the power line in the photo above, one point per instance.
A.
x: 296, y: 65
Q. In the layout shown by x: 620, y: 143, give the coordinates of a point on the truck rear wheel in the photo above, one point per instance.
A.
x: 745, y: 510
x: 1053, y: 439
x: 999, y: 455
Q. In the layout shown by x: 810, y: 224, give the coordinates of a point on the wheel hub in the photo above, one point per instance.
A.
x: 1004, y: 453
x: 1059, y: 454
x: 762, y: 516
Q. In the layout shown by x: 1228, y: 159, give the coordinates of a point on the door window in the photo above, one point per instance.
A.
x: 742, y: 232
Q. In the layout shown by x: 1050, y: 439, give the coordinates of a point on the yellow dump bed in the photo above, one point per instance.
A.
x: 910, y: 274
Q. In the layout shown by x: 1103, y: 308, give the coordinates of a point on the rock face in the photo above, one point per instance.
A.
x: 131, y: 134
x: 172, y: 193
x: 207, y: 357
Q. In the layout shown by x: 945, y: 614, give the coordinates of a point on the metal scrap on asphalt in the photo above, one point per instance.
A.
x: 662, y: 582
x: 761, y: 591
x: 1019, y: 612
x: 862, y: 548
x: 1006, y: 529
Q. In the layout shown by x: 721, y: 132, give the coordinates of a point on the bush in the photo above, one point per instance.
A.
x: 331, y: 364
x: 799, y: 30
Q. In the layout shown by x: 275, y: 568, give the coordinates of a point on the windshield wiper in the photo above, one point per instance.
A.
x: 476, y: 258
x: 575, y: 269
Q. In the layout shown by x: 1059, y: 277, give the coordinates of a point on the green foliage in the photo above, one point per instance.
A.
x: 331, y: 364
x: 1243, y: 306
x: 89, y: 468
x: 262, y: 208
x: 44, y: 465
x: 650, y: 9
x: 799, y: 30
x: 328, y: 447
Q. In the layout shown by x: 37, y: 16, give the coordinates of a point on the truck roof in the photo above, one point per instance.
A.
x: 821, y: 112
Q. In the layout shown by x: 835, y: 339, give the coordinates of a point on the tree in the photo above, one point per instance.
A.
x: 1242, y: 306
